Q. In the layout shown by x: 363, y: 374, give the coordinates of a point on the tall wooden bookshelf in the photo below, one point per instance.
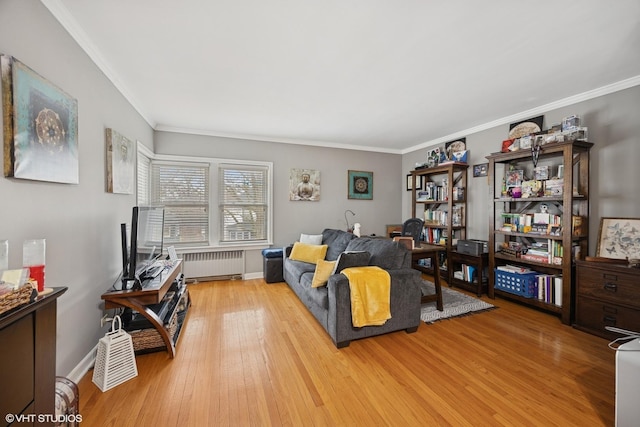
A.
x: 439, y: 196
x: 569, y: 200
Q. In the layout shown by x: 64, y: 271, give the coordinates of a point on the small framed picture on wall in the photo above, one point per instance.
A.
x: 360, y: 185
x: 410, y: 182
x: 480, y: 170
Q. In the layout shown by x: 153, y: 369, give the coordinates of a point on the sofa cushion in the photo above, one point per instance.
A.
x: 318, y: 296
x: 324, y: 269
x: 311, y: 239
x: 337, y: 240
x: 385, y: 253
x: 308, y: 253
x: 351, y: 259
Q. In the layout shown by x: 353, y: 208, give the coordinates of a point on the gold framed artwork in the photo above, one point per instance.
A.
x: 120, y: 163
x: 40, y: 124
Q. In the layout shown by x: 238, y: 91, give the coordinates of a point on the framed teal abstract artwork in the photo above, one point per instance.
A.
x: 40, y: 124
x: 360, y: 185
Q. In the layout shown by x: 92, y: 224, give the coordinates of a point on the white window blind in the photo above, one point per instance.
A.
x: 142, y: 182
x: 243, y: 202
x: 183, y: 189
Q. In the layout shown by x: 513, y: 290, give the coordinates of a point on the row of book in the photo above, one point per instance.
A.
x: 435, y: 217
x: 435, y: 236
x: 549, y: 252
x: 433, y: 192
x: 467, y: 273
x: 550, y: 288
x: 540, y: 223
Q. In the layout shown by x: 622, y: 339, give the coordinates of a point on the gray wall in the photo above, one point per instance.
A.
x: 80, y: 222
x: 294, y: 217
x: 614, y: 128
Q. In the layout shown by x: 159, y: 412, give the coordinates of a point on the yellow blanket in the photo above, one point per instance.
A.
x: 370, y: 295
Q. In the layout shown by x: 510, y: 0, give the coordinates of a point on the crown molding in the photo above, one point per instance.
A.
x: 61, y: 13
x: 585, y: 96
x: 325, y: 144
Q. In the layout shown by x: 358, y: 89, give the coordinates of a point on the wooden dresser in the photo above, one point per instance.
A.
x: 607, y: 295
x: 28, y: 361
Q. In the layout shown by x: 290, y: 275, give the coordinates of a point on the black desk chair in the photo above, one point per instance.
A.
x: 413, y: 227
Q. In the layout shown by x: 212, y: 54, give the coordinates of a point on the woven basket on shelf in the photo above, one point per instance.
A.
x: 21, y: 296
x: 146, y: 339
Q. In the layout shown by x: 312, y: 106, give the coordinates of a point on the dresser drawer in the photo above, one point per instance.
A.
x: 616, y: 286
x: 595, y: 315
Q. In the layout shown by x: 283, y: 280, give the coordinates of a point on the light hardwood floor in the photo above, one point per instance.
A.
x: 251, y: 354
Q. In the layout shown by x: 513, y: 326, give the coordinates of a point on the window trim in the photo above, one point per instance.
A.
x: 214, y: 222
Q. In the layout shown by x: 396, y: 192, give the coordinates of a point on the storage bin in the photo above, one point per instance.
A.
x: 519, y: 284
x: 272, y: 265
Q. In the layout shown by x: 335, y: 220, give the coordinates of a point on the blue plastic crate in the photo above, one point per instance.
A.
x: 525, y: 284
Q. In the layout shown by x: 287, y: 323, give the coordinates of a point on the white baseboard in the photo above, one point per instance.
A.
x: 257, y: 275
x: 83, y: 367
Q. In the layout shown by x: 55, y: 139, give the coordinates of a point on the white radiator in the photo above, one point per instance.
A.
x: 213, y: 264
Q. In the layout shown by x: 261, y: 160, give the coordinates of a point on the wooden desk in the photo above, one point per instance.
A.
x: 152, y: 293
x: 427, y: 251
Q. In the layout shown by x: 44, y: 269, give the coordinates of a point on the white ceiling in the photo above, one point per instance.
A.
x: 382, y: 75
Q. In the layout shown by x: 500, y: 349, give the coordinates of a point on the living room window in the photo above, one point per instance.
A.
x: 183, y: 189
x: 243, y: 202
x: 208, y: 202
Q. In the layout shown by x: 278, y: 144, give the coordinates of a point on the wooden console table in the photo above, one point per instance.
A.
x: 28, y: 358
x: 427, y: 251
x: 153, y: 292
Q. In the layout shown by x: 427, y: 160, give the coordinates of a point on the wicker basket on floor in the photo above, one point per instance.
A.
x: 146, y: 339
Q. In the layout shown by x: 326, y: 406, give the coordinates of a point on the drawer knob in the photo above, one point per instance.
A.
x: 609, y: 320
x: 611, y: 287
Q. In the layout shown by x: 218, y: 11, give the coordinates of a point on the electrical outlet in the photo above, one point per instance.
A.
x: 104, y: 320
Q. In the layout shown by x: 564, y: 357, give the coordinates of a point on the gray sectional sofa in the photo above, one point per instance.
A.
x: 331, y: 304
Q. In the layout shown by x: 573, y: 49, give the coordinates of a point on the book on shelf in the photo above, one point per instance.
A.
x: 514, y: 269
x: 550, y: 252
x: 469, y: 273
x: 466, y: 273
x: 536, y: 258
x: 550, y: 288
x: 553, y: 187
x: 577, y: 225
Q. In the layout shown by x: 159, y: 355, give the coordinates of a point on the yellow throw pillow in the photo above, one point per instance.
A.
x: 308, y: 253
x: 324, y: 269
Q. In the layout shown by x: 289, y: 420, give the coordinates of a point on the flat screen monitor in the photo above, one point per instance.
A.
x: 147, y: 232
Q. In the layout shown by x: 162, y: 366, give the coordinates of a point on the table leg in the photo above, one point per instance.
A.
x: 436, y: 283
